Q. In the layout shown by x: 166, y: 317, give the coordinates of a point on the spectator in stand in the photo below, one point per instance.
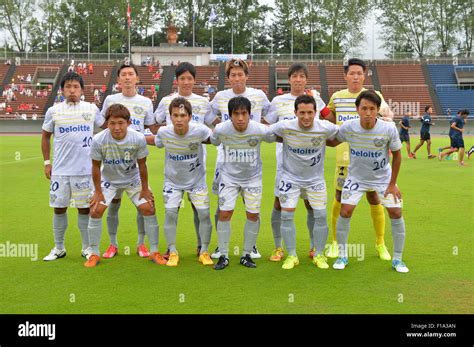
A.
x: 2, y: 106
x: 280, y: 91
x: 214, y: 76
x: 23, y: 116
x: 70, y: 68
x: 157, y: 88
x: 8, y: 62
x: 106, y: 73
x: 91, y: 68
x: 150, y: 68
x: 34, y: 116
x: 9, y: 109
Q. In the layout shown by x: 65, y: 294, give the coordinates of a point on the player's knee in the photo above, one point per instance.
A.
x: 346, y: 212
x: 98, y: 212
x: 61, y: 210
x: 394, y: 213
x: 146, y: 209
x: 252, y: 216
x: 372, y: 198
x: 225, y: 216
x: 276, y: 204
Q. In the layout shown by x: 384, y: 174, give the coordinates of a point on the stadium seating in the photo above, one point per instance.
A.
x: 95, y: 81
x: 335, y: 79
x: 450, y: 95
x: 403, y: 84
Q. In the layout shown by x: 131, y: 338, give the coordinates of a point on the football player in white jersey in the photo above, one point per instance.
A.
x: 71, y: 122
x: 184, y: 172
x: 186, y: 78
x: 370, y: 140
x: 141, y: 117
x: 282, y: 108
x: 237, y: 73
x: 241, y: 173
x: 122, y: 153
x: 302, y: 174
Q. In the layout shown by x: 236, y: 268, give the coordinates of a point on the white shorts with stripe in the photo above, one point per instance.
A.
x: 353, y: 191
x: 290, y: 192
x: 70, y: 191
x: 251, y: 192
x: 198, y: 195
x: 133, y: 190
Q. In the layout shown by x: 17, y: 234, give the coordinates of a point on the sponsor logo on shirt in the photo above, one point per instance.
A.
x: 302, y: 151
x: 346, y: 117
x: 365, y: 154
x: 74, y: 129
x: 179, y: 157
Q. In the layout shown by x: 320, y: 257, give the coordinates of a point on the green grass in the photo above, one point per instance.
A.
x: 438, y: 205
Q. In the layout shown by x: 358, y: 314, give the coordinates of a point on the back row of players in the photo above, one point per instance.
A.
x: 182, y: 124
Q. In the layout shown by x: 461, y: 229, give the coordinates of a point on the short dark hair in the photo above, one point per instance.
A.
x: 355, y: 61
x: 180, y: 102
x: 183, y: 67
x: 305, y: 99
x: 235, y: 62
x: 124, y: 66
x: 427, y: 107
x: 297, y: 67
x: 238, y: 103
x: 117, y: 110
x: 72, y: 76
x: 369, y: 95
x: 465, y: 112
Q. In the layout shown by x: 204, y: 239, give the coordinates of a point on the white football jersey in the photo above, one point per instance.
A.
x: 241, y: 150
x: 303, y: 150
x: 369, y: 158
x: 282, y: 108
x: 140, y: 107
x: 258, y: 100
x: 119, y: 157
x: 184, y: 160
x: 200, y: 105
x: 72, y: 126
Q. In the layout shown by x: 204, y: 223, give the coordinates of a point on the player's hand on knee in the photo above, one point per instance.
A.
x: 393, y: 189
x: 95, y: 201
x: 148, y: 196
x: 47, y: 171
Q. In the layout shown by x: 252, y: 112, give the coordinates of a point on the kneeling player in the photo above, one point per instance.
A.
x: 184, y: 172
x: 120, y: 149
x: 302, y: 173
x: 241, y: 172
x: 370, y: 140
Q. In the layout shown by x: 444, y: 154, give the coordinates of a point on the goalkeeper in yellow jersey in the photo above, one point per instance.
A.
x: 343, y: 108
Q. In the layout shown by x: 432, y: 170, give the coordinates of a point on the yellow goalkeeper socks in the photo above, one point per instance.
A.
x: 378, y: 219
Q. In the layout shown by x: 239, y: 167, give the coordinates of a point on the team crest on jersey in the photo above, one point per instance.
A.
x: 254, y: 190
x: 52, y: 197
x: 346, y: 195
x: 87, y: 116
x: 379, y: 141
x: 138, y: 110
x: 196, y: 109
x: 283, y: 198
x: 252, y: 142
x: 316, y: 141
x: 193, y: 146
x: 253, y: 103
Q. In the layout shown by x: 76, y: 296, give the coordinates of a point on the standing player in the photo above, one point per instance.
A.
x: 184, y: 172
x: 141, y: 117
x: 370, y: 140
x: 455, y: 134
x: 72, y: 124
x: 237, y: 72
x: 342, y: 106
x: 302, y: 173
x: 122, y: 153
x: 425, y: 135
x: 404, y: 128
x: 186, y: 78
x: 282, y: 108
x: 241, y: 172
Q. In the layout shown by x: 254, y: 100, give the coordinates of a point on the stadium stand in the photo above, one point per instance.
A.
x: 404, y: 84
x: 452, y: 97
x: 97, y: 81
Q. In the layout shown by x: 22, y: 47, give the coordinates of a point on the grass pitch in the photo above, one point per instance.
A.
x: 438, y: 205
